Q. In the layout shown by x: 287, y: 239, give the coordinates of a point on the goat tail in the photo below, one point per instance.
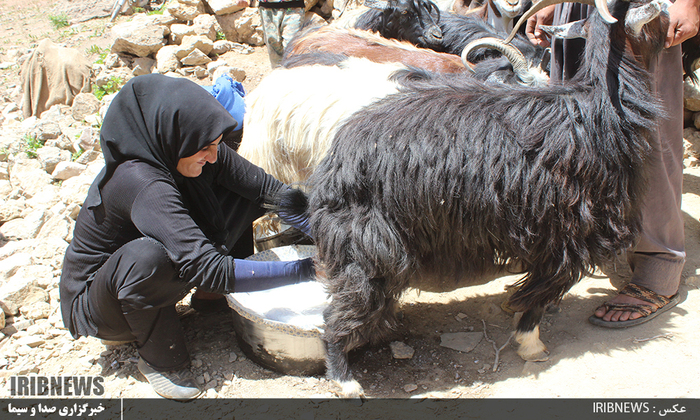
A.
x: 292, y: 206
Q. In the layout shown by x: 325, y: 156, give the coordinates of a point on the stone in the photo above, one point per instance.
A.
x: 59, y: 227
x: 410, y: 387
x: 63, y: 142
x: 191, y: 43
x: 67, y: 170
x: 222, y: 46
x: 693, y: 281
x: 195, y: 58
x: 24, y: 228
x: 36, y: 310
x: 84, y: 104
x: 30, y: 341
x: 401, y: 350
x: 166, y: 59
x: 29, y: 176
x: 89, y: 139
x: 244, y: 26
x: 206, y: 25
x: 50, y: 156
x: 138, y: 37
x: 42, y: 274
x: 11, y: 265
x: 143, y: 65
x: 22, y: 292
x: 461, y: 341
x: 236, y: 73
x: 46, y: 130
x: 200, y: 72
x: 9, y: 308
x: 17, y: 326
x: 44, y: 199
x: 11, y: 209
x: 691, y: 96
x: 225, y: 7
x: 692, y: 138
x: 178, y: 31
x: 50, y: 251
x: 185, y: 11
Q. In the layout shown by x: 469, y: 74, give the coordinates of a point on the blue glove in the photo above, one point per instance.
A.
x: 253, y: 276
x: 299, y: 221
x: 293, y: 210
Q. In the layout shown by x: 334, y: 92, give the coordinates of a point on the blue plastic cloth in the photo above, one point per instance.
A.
x: 230, y: 94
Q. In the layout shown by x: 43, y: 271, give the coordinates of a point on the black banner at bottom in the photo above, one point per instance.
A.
x: 369, y: 409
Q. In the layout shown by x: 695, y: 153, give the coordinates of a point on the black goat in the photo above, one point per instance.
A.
x: 415, y: 21
x: 458, y: 31
x: 451, y: 176
x: 412, y: 20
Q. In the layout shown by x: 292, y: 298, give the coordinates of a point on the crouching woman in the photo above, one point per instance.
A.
x: 159, y: 220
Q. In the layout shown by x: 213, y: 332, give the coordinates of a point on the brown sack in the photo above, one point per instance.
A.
x: 53, y: 75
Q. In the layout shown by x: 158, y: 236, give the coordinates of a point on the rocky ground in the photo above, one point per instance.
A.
x: 38, y: 206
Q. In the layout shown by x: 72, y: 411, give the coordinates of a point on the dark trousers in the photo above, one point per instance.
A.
x: 133, y: 295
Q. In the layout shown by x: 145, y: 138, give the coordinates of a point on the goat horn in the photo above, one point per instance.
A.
x: 516, y: 58
x: 600, y: 5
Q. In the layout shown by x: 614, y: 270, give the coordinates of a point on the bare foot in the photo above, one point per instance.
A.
x: 616, y: 315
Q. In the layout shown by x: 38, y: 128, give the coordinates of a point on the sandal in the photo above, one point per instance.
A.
x: 648, y: 313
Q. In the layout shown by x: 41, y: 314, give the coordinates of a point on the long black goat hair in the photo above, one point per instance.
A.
x: 449, y: 176
x: 551, y: 178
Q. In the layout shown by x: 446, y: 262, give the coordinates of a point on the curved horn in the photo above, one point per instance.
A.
x: 601, y: 6
x: 516, y: 58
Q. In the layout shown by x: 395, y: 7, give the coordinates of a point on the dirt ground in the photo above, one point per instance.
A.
x: 654, y: 360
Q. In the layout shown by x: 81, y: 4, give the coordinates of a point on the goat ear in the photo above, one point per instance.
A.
x: 577, y: 29
x: 377, y: 4
x: 640, y: 16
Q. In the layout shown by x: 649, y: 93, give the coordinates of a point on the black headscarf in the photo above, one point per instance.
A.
x: 159, y: 120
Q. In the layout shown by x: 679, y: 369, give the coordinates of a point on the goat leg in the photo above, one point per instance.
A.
x: 527, y: 335
x: 338, y: 370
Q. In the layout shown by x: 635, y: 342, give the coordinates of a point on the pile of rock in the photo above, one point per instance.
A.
x: 46, y: 167
x: 199, y: 38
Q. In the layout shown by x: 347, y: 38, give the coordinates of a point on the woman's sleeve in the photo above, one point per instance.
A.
x: 158, y: 212
x: 244, y: 178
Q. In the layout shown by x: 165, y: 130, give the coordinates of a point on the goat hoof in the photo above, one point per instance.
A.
x: 351, y: 389
x: 541, y: 356
x: 531, y: 348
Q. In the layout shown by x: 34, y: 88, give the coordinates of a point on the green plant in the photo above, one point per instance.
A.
x: 113, y: 85
x: 59, y: 21
x: 158, y: 11
x: 101, y: 59
x: 68, y: 34
x: 32, y: 144
x: 139, y: 10
x: 98, y: 32
x: 220, y: 35
x: 93, y: 49
x: 76, y: 155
